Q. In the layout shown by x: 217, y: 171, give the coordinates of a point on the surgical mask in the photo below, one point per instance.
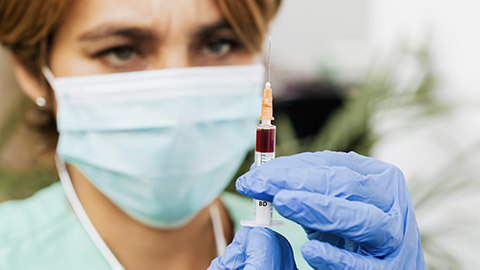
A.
x: 160, y: 144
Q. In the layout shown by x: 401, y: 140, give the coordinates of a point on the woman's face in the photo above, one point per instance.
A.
x: 107, y: 36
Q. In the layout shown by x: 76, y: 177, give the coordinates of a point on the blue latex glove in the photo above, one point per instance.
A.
x: 256, y: 248
x: 356, y: 210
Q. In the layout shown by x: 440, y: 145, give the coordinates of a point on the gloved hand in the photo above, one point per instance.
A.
x: 356, y: 210
x: 256, y: 248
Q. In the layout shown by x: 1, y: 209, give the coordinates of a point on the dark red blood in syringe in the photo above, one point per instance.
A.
x: 265, y: 140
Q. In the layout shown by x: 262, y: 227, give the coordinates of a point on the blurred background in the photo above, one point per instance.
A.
x: 397, y: 80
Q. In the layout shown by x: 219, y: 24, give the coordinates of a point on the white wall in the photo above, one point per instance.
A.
x: 310, y: 35
x: 345, y: 34
x: 452, y: 27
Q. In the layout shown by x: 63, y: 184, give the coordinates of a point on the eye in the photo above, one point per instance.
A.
x: 219, y: 47
x: 120, y: 55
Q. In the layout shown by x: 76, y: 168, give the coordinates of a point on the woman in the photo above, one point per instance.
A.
x: 155, y: 101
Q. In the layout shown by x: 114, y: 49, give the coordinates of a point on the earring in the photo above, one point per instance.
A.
x: 41, y: 102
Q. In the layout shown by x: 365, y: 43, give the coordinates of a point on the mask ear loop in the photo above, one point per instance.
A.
x: 219, y: 234
x: 48, y: 77
x: 47, y: 73
x: 82, y: 216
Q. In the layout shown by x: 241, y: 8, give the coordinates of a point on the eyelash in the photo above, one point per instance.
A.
x: 117, y: 62
x: 103, y: 54
x: 114, y: 49
x: 234, y: 43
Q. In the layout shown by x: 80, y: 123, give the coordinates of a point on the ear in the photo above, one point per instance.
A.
x: 30, y: 84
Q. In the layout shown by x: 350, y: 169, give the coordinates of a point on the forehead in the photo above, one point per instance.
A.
x: 160, y: 15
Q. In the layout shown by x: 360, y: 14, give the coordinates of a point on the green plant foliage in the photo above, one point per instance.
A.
x: 19, y: 185
x: 351, y: 128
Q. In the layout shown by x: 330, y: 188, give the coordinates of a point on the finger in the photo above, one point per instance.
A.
x: 256, y: 248
x: 333, y: 239
x: 322, y: 255
x: 376, y: 231
x: 361, y: 164
x: 267, y: 180
x: 353, y: 161
x: 234, y: 256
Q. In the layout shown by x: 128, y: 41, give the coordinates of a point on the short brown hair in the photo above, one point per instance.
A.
x: 24, y: 27
x: 250, y: 19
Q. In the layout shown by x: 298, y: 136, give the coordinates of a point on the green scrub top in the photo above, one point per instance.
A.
x: 42, y: 232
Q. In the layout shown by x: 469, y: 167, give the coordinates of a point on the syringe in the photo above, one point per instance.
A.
x: 264, y: 152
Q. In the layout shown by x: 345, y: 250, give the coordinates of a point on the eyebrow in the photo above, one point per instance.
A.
x: 112, y: 30
x: 140, y: 33
x: 212, y: 28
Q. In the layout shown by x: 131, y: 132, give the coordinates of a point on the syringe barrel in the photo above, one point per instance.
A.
x: 264, y: 152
